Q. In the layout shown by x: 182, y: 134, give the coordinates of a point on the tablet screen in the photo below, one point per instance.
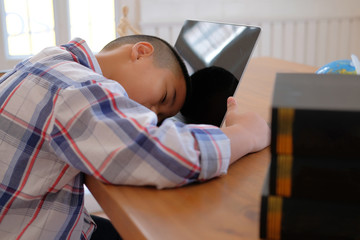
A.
x: 216, y: 55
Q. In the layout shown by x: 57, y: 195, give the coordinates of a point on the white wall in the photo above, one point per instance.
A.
x: 227, y: 10
x: 313, y: 32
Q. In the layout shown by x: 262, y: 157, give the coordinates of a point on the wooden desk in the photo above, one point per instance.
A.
x: 223, y: 208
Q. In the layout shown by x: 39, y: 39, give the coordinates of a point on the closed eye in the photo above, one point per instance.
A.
x: 164, y: 98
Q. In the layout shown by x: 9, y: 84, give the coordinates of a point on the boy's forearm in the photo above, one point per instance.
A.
x: 241, y: 142
x: 250, y: 134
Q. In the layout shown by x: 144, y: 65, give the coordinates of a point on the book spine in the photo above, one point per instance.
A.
x: 315, y: 178
x: 295, y: 171
x: 270, y: 218
x: 301, y: 132
x: 282, y: 137
x: 295, y: 219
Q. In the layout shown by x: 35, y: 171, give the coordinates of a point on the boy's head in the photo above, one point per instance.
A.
x: 150, y: 70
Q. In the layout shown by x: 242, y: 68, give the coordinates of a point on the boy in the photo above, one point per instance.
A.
x: 65, y: 112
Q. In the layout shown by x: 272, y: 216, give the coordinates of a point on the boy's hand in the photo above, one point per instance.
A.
x: 248, y: 132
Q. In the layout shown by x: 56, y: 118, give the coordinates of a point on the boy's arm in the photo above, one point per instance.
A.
x: 247, y: 130
x: 99, y: 131
x: 105, y: 134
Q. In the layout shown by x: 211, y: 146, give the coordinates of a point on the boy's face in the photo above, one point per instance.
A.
x: 158, y: 89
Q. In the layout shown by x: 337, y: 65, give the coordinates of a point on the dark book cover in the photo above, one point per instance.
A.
x: 317, y: 178
x: 316, y: 137
x: 316, y: 115
x: 317, y: 91
x: 320, y: 133
x: 298, y: 219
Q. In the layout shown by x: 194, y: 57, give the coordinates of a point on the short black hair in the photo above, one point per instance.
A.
x: 165, y: 55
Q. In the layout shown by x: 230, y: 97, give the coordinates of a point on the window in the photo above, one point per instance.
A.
x: 95, y: 22
x: 26, y: 28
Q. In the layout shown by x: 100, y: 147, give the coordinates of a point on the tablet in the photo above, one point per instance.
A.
x: 216, y: 55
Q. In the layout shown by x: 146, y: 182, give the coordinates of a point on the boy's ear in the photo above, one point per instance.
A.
x: 141, y: 49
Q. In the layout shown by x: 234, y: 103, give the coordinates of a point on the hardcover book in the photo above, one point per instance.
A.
x: 316, y: 115
x: 292, y: 218
x: 312, y: 190
x: 316, y: 136
x: 315, y: 178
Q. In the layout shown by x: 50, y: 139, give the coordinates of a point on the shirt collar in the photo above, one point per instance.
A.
x: 83, y: 54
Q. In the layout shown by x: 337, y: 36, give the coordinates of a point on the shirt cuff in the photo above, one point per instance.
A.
x: 215, y: 152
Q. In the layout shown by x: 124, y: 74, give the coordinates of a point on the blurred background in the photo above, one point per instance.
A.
x: 312, y: 32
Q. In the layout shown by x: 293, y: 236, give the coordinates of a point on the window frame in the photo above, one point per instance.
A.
x: 61, y: 28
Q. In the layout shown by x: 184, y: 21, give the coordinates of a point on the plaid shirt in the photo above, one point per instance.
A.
x: 60, y: 118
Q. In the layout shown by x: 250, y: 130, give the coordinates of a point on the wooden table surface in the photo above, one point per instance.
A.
x: 224, y: 208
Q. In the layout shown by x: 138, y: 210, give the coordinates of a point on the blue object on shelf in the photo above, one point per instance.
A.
x: 338, y: 67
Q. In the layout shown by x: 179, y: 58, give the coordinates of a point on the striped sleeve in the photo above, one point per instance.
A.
x: 101, y: 132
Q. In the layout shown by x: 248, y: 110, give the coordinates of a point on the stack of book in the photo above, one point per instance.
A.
x: 312, y: 190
